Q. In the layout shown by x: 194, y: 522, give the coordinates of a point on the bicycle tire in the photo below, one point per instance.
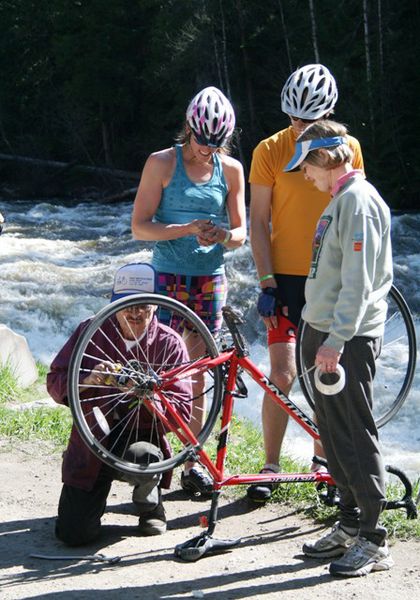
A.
x: 395, y: 367
x: 109, y: 419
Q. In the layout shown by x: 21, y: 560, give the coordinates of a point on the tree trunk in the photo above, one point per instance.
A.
x: 381, y: 40
x: 285, y: 36
x: 217, y: 59
x: 249, y: 94
x: 106, y: 145
x: 313, y: 30
x: 368, y: 67
x: 54, y: 164
x: 224, y: 53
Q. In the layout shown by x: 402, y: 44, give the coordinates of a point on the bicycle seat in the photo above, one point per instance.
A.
x: 232, y: 315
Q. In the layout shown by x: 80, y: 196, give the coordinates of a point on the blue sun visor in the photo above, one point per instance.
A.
x: 303, y: 148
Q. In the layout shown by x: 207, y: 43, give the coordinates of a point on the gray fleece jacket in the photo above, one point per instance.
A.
x: 351, y: 268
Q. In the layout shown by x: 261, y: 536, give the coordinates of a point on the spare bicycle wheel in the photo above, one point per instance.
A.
x: 395, y: 367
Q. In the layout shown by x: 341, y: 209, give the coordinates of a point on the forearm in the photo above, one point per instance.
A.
x: 152, y: 232
x: 261, y: 251
x: 237, y: 237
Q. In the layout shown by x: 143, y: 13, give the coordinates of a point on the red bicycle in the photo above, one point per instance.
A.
x: 109, y: 420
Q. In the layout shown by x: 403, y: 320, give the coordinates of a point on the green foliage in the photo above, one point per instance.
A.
x: 48, y: 424
x: 9, y: 388
x: 20, y: 423
x: 42, y: 371
x: 395, y: 521
x: 245, y: 453
x: 245, y: 448
x: 108, y: 82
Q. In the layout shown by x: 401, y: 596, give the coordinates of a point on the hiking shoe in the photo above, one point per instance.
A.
x: 334, y: 543
x: 153, y: 522
x: 318, y: 468
x: 197, y: 482
x: 362, y: 558
x: 261, y: 492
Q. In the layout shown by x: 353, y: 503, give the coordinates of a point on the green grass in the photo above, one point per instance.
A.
x: 45, y: 423
x: 9, y: 389
x: 245, y: 453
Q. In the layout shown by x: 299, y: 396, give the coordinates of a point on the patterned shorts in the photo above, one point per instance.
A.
x: 203, y: 294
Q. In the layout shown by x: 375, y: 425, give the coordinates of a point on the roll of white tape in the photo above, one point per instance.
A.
x: 333, y: 388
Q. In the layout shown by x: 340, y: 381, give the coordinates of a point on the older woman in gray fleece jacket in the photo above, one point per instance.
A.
x: 349, y: 279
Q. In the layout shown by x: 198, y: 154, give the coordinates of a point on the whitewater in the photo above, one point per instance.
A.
x: 57, y: 266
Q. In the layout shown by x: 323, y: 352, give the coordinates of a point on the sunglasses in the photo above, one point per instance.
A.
x: 145, y: 308
x: 306, y: 121
x: 202, y: 141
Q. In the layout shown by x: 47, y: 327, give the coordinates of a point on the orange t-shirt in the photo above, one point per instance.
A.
x: 296, y: 204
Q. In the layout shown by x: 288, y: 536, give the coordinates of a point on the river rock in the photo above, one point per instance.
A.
x: 15, y: 352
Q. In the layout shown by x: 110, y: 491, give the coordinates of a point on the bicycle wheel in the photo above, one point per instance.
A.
x: 395, y: 367
x: 137, y: 348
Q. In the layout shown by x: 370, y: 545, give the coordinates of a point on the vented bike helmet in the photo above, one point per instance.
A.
x: 309, y: 93
x: 211, y: 117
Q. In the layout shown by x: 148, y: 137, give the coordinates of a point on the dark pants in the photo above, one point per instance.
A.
x: 349, y: 434
x: 80, y: 511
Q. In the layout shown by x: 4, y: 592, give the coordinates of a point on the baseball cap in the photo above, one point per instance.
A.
x: 303, y: 148
x: 134, y: 278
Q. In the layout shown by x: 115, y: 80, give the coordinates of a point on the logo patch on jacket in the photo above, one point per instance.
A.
x: 321, y: 229
x: 358, y: 242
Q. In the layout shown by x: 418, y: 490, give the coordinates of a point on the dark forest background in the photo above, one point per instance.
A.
x: 106, y: 82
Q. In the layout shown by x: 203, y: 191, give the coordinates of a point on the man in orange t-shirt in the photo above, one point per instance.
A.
x: 285, y: 209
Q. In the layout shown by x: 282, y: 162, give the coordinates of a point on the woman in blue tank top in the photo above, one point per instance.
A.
x: 191, y: 202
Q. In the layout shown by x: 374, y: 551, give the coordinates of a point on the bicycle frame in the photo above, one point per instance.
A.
x: 235, y: 360
x: 222, y: 366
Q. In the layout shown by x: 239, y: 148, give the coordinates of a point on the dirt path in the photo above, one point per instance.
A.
x: 268, y: 564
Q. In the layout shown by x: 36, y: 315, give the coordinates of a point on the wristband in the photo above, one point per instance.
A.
x: 266, y: 277
x: 228, y: 237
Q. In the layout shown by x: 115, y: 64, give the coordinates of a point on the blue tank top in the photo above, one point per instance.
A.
x: 182, y: 202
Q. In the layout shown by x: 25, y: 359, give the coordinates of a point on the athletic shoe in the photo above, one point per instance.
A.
x: 261, y: 492
x: 317, y: 468
x: 153, y: 522
x: 362, y: 558
x: 334, y: 543
x: 197, y: 482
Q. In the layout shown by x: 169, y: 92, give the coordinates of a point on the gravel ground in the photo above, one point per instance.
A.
x: 267, y: 564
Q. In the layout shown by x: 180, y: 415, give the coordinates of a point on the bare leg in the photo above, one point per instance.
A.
x: 274, y: 419
x: 195, y: 479
x: 196, y: 348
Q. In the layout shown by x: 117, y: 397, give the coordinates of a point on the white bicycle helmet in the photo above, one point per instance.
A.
x: 309, y: 93
x: 211, y: 117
